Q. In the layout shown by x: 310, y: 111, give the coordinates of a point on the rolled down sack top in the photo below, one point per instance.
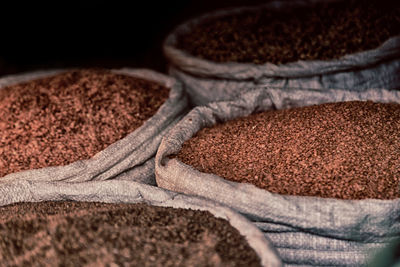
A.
x: 207, y: 79
x: 124, y: 126
x: 60, y: 222
x: 306, y: 230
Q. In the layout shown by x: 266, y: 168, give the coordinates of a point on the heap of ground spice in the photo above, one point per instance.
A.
x: 345, y: 150
x: 71, y: 116
x: 327, y: 31
x: 99, y: 234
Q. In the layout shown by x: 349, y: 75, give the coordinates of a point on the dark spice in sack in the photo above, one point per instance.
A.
x: 345, y: 150
x: 71, y: 116
x: 99, y: 234
x: 323, y: 32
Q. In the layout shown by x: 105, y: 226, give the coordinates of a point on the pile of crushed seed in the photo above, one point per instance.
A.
x: 325, y: 32
x: 346, y: 150
x: 71, y: 116
x: 99, y: 234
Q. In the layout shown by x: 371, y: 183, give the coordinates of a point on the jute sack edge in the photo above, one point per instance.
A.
x: 366, y: 220
x: 202, y: 90
x: 114, y: 191
x: 230, y: 70
x: 137, y: 149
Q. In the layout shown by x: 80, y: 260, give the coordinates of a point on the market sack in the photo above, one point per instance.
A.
x: 103, y: 234
x: 317, y: 221
x: 287, y: 44
x: 88, y: 124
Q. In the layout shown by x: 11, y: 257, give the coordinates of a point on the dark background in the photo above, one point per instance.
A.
x: 93, y: 34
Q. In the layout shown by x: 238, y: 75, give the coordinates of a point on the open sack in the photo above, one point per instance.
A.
x: 131, y: 157
x: 208, y: 80
x: 305, y: 230
x: 114, y: 191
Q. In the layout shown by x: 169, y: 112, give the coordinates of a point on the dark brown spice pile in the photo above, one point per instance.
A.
x: 346, y: 150
x: 71, y: 116
x: 328, y: 31
x: 99, y: 234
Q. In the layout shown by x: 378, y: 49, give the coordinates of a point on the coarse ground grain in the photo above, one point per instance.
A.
x: 71, y: 116
x: 328, y: 31
x: 99, y: 234
x: 345, y: 150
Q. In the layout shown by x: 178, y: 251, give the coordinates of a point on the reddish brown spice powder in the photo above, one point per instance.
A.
x: 346, y: 150
x: 327, y: 31
x: 71, y: 116
x: 99, y: 234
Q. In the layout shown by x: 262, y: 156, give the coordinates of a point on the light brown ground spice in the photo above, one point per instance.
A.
x: 346, y: 150
x: 99, y: 234
x: 328, y: 31
x: 71, y: 116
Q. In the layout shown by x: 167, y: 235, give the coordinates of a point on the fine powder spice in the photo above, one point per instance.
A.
x: 71, y: 116
x: 99, y: 234
x: 324, y: 32
x: 344, y: 150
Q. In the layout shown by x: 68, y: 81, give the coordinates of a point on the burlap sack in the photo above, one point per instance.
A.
x: 129, y: 158
x: 114, y: 191
x: 207, y: 81
x: 305, y: 230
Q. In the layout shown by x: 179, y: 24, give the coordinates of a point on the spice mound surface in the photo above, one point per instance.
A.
x: 99, y: 234
x: 71, y: 116
x: 325, y: 32
x: 345, y: 150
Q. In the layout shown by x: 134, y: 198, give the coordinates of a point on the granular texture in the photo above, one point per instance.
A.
x: 99, y: 234
x: 71, y: 116
x: 345, y: 150
x: 327, y: 31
